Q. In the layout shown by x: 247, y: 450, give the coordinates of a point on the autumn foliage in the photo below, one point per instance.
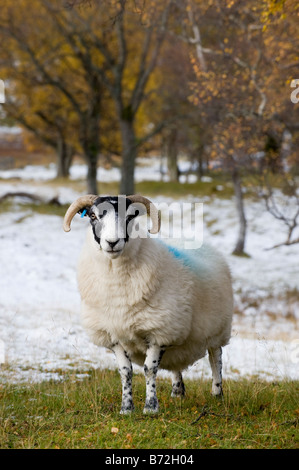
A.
x: 209, y: 79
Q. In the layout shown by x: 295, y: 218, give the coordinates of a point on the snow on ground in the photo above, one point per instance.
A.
x: 40, y: 331
x: 79, y: 171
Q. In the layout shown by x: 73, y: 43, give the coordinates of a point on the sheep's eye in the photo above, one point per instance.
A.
x: 93, y: 216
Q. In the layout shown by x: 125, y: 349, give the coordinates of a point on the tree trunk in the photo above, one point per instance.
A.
x: 64, y: 158
x: 92, y: 186
x: 200, y: 167
x: 172, y: 155
x: 91, y: 151
x: 91, y: 156
x: 91, y: 146
x: 200, y: 155
x: 68, y: 158
x: 240, y: 245
x: 129, y: 153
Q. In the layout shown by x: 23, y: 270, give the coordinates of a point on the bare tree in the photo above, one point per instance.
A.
x: 283, y: 206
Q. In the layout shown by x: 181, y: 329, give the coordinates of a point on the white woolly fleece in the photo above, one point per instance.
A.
x: 150, y: 296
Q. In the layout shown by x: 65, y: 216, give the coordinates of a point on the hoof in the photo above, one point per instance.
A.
x: 151, y: 406
x: 150, y: 411
x: 177, y: 394
x: 217, y: 391
x: 178, y: 389
x: 126, y: 411
x: 220, y: 396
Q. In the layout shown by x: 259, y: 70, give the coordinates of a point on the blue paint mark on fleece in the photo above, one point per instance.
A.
x: 182, y: 256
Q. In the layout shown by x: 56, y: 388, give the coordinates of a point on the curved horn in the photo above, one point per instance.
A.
x: 83, y: 201
x: 151, y: 210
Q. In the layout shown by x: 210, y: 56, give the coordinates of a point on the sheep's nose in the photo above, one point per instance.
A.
x: 112, y: 244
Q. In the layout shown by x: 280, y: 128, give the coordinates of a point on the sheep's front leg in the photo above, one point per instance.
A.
x: 126, y: 374
x: 215, y: 358
x: 153, y: 358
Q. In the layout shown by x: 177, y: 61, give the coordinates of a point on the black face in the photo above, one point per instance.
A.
x: 119, y: 203
x: 107, y: 215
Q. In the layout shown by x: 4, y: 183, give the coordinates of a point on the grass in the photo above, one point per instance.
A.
x: 177, y: 190
x: 85, y: 414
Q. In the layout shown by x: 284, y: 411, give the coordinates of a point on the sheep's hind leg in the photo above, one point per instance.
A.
x: 178, y: 386
x: 153, y: 358
x: 215, y: 358
x: 126, y: 374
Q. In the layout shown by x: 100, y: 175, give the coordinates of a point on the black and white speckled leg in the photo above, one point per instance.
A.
x: 153, y: 358
x: 126, y: 374
x: 215, y: 358
x: 178, y: 386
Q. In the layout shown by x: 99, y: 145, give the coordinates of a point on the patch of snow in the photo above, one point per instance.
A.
x: 31, y: 172
x: 206, y: 179
x: 79, y: 171
x: 15, y: 130
x: 147, y: 169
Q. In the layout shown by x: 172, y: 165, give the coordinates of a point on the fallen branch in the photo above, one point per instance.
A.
x: 33, y: 197
x: 205, y: 411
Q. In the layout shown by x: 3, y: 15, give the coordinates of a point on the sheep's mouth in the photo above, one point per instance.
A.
x: 112, y: 254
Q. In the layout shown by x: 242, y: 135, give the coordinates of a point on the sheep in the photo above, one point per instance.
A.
x: 148, y: 304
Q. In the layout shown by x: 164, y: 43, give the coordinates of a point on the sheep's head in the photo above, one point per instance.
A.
x: 112, y: 219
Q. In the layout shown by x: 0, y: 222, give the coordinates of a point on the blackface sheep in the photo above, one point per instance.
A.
x: 145, y: 302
